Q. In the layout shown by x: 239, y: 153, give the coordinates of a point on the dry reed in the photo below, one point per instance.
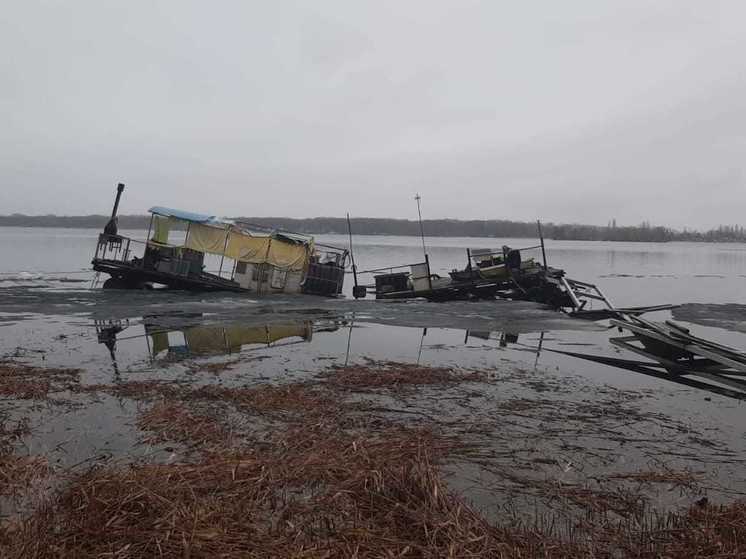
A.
x: 326, y: 482
x: 394, y: 375
x: 26, y: 382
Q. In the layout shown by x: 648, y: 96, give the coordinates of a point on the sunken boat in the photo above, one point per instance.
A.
x: 488, y: 274
x: 498, y: 274
x: 180, y: 245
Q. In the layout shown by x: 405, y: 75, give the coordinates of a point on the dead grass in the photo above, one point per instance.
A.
x: 295, y: 398
x: 276, y: 400
x: 708, y: 531
x: 18, y: 472
x: 313, y: 493
x: 10, y: 433
x: 317, y: 491
x: 172, y: 421
x: 326, y: 481
x: 25, y: 382
x: 392, y: 375
x: 676, y: 478
x: 136, y: 389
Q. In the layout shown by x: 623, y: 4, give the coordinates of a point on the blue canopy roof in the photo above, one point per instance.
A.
x: 186, y: 216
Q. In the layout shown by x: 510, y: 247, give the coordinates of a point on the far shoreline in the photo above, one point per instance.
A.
x: 439, y: 228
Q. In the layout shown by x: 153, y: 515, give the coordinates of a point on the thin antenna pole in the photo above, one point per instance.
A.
x: 352, y: 256
x: 541, y: 238
x: 422, y: 230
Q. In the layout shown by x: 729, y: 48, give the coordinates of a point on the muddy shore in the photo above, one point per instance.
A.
x: 295, y: 453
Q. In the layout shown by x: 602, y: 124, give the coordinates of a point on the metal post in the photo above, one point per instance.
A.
x: 422, y: 230
x: 422, y: 340
x: 352, y: 256
x: 349, y: 339
x: 263, y: 267
x: 429, y: 279
x: 225, y: 247
x: 538, y: 351
x: 541, y: 238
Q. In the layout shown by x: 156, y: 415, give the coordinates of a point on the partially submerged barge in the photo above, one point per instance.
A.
x: 176, y: 247
x: 490, y: 274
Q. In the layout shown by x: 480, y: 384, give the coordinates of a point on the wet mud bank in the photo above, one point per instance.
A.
x: 199, y: 432
x: 168, y: 424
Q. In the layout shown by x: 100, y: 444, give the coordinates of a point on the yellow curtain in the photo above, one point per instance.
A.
x: 288, y: 256
x: 205, y: 238
x: 161, y: 229
x: 246, y: 248
x: 260, y: 250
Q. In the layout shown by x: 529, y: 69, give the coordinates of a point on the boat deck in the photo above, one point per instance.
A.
x: 134, y: 273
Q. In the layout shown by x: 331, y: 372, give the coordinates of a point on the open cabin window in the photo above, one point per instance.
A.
x: 259, y: 273
x: 279, y: 278
x: 240, y: 268
x: 161, y: 229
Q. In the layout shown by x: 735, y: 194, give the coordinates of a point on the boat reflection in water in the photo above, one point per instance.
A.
x: 176, y: 337
x: 219, y: 340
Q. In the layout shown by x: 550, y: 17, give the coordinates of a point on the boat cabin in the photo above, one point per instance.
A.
x: 186, y: 250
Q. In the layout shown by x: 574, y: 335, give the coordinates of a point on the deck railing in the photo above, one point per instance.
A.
x: 115, y: 248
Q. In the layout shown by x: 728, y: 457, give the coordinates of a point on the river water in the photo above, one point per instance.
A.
x: 51, y: 314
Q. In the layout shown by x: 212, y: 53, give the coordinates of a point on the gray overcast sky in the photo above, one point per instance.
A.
x: 572, y: 111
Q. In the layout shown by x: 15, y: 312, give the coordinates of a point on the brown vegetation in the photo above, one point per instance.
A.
x: 312, y: 493
x: 172, y: 421
x: 322, y: 479
x: 25, y: 382
x: 396, y: 376
x: 17, y: 472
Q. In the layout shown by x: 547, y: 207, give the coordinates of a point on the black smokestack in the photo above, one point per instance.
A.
x: 111, y: 227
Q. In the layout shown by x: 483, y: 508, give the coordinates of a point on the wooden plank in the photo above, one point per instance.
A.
x: 715, y: 356
x: 593, y: 296
x: 648, y: 332
x: 581, y: 283
x: 640, y: 351
x: 571, y: 293
x: 714, y: 377
x: 727, y: 351
x: 649, y: 369
x: 675, y: 336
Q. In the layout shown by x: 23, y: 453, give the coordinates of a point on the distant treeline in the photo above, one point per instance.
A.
x: 433, y: 227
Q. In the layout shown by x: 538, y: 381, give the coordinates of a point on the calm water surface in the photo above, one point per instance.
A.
x: 629, y: 273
